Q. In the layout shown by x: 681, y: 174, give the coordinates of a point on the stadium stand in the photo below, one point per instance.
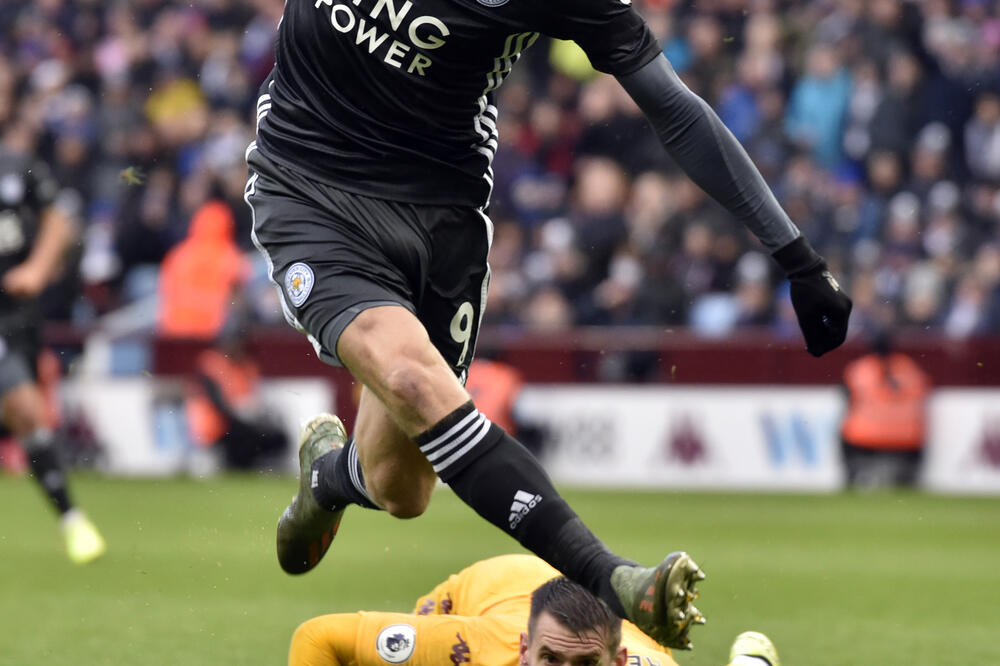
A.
x: 877, y: 124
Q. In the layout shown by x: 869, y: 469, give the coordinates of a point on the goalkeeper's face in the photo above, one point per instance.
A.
x: 550, y: 643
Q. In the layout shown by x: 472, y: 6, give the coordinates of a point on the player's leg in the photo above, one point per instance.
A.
x: 331, y: 478
x: 413, y: 372
x: 390, y: 352
x: 334, y: 255
x: 398, y: 472
x: 350, y: 269
x: 401, y: 478
x: 22, y: 408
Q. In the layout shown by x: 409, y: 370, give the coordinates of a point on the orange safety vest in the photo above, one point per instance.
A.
x: 198, y: 276
x: 887, y: 403
x: 494, y: 388
x: 237, y: 380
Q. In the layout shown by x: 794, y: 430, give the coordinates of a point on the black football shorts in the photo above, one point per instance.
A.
x: 18, y: 357
x: 333, y: 253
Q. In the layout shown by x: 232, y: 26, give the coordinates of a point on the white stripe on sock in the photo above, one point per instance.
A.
x: 465, y: 449
x: 450, y: 446
x: 354, y: 469
x: 451, y: 431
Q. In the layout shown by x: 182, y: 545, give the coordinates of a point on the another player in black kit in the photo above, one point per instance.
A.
x: 369, y: 182
x: 34, y: 236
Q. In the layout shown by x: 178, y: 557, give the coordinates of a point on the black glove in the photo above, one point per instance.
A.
x: 820, y: 304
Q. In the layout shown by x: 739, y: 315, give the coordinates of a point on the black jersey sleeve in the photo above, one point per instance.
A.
x: 611, y: 32
x: 42, y: 185
x: 708, y: 152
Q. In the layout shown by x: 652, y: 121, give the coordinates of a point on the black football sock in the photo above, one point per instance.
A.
x: 495, y: 475
x: 45, y: 465
x: 338, y: 481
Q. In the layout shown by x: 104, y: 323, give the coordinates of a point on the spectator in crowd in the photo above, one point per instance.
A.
x: 818, y: 104
x: 982, y: 138
x: 144, y: 108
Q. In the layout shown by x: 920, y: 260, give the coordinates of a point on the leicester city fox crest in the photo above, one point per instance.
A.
x: 299, y: 281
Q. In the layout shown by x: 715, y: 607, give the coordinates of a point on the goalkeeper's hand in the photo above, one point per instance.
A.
x: 821, y: 306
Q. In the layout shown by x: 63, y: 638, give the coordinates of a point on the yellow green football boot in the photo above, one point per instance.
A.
x: 84, y: 543
x: 658, y: 599
x: 306, y: 529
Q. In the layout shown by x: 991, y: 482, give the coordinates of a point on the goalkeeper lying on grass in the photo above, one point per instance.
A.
x: 479, y: 616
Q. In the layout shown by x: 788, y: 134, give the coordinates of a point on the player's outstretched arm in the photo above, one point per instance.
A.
x: 328, y: 640
x: 712, y: 157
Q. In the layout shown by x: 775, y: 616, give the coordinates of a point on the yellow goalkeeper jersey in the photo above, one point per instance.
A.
x: 475, y: 617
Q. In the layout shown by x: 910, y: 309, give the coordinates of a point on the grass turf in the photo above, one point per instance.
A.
x: 190, y: 576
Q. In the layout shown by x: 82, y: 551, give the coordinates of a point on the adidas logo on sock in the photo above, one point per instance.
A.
x: 522, y: 504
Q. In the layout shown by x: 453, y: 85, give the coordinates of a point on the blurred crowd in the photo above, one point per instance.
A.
x: 877, y: 124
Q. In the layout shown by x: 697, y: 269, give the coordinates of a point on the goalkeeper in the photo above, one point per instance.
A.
x: 479, y: 616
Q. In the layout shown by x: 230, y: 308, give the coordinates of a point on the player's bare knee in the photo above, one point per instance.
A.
x: 409, y: 382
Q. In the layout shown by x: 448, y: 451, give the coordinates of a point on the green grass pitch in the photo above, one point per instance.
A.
x: 191, y: 578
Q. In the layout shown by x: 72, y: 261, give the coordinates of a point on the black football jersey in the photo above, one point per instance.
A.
x: 396, y: 98
x: 26, y: 189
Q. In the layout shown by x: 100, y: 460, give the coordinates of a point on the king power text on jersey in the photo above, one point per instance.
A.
x: 425, y: 33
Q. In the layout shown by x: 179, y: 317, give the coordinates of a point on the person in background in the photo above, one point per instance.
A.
x: 223, y: 407
x: 35, y: 233
x: 200, y: 275
x: 885, y: 424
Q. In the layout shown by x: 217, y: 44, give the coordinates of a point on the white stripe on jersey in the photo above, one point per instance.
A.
x: 502, y: 65
x: 485, y: 122
x: 263, y: 104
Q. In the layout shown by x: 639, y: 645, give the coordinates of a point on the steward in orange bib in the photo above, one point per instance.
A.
x: 884, y: 428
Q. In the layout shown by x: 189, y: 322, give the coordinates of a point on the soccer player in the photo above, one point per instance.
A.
x: 478, y: 616
x: 369, y: 181
x: 34, y: 235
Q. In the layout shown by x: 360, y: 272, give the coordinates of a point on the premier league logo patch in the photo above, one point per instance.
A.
x: 299, y: 281
x: 395, y: 643
x: 493, y: 3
